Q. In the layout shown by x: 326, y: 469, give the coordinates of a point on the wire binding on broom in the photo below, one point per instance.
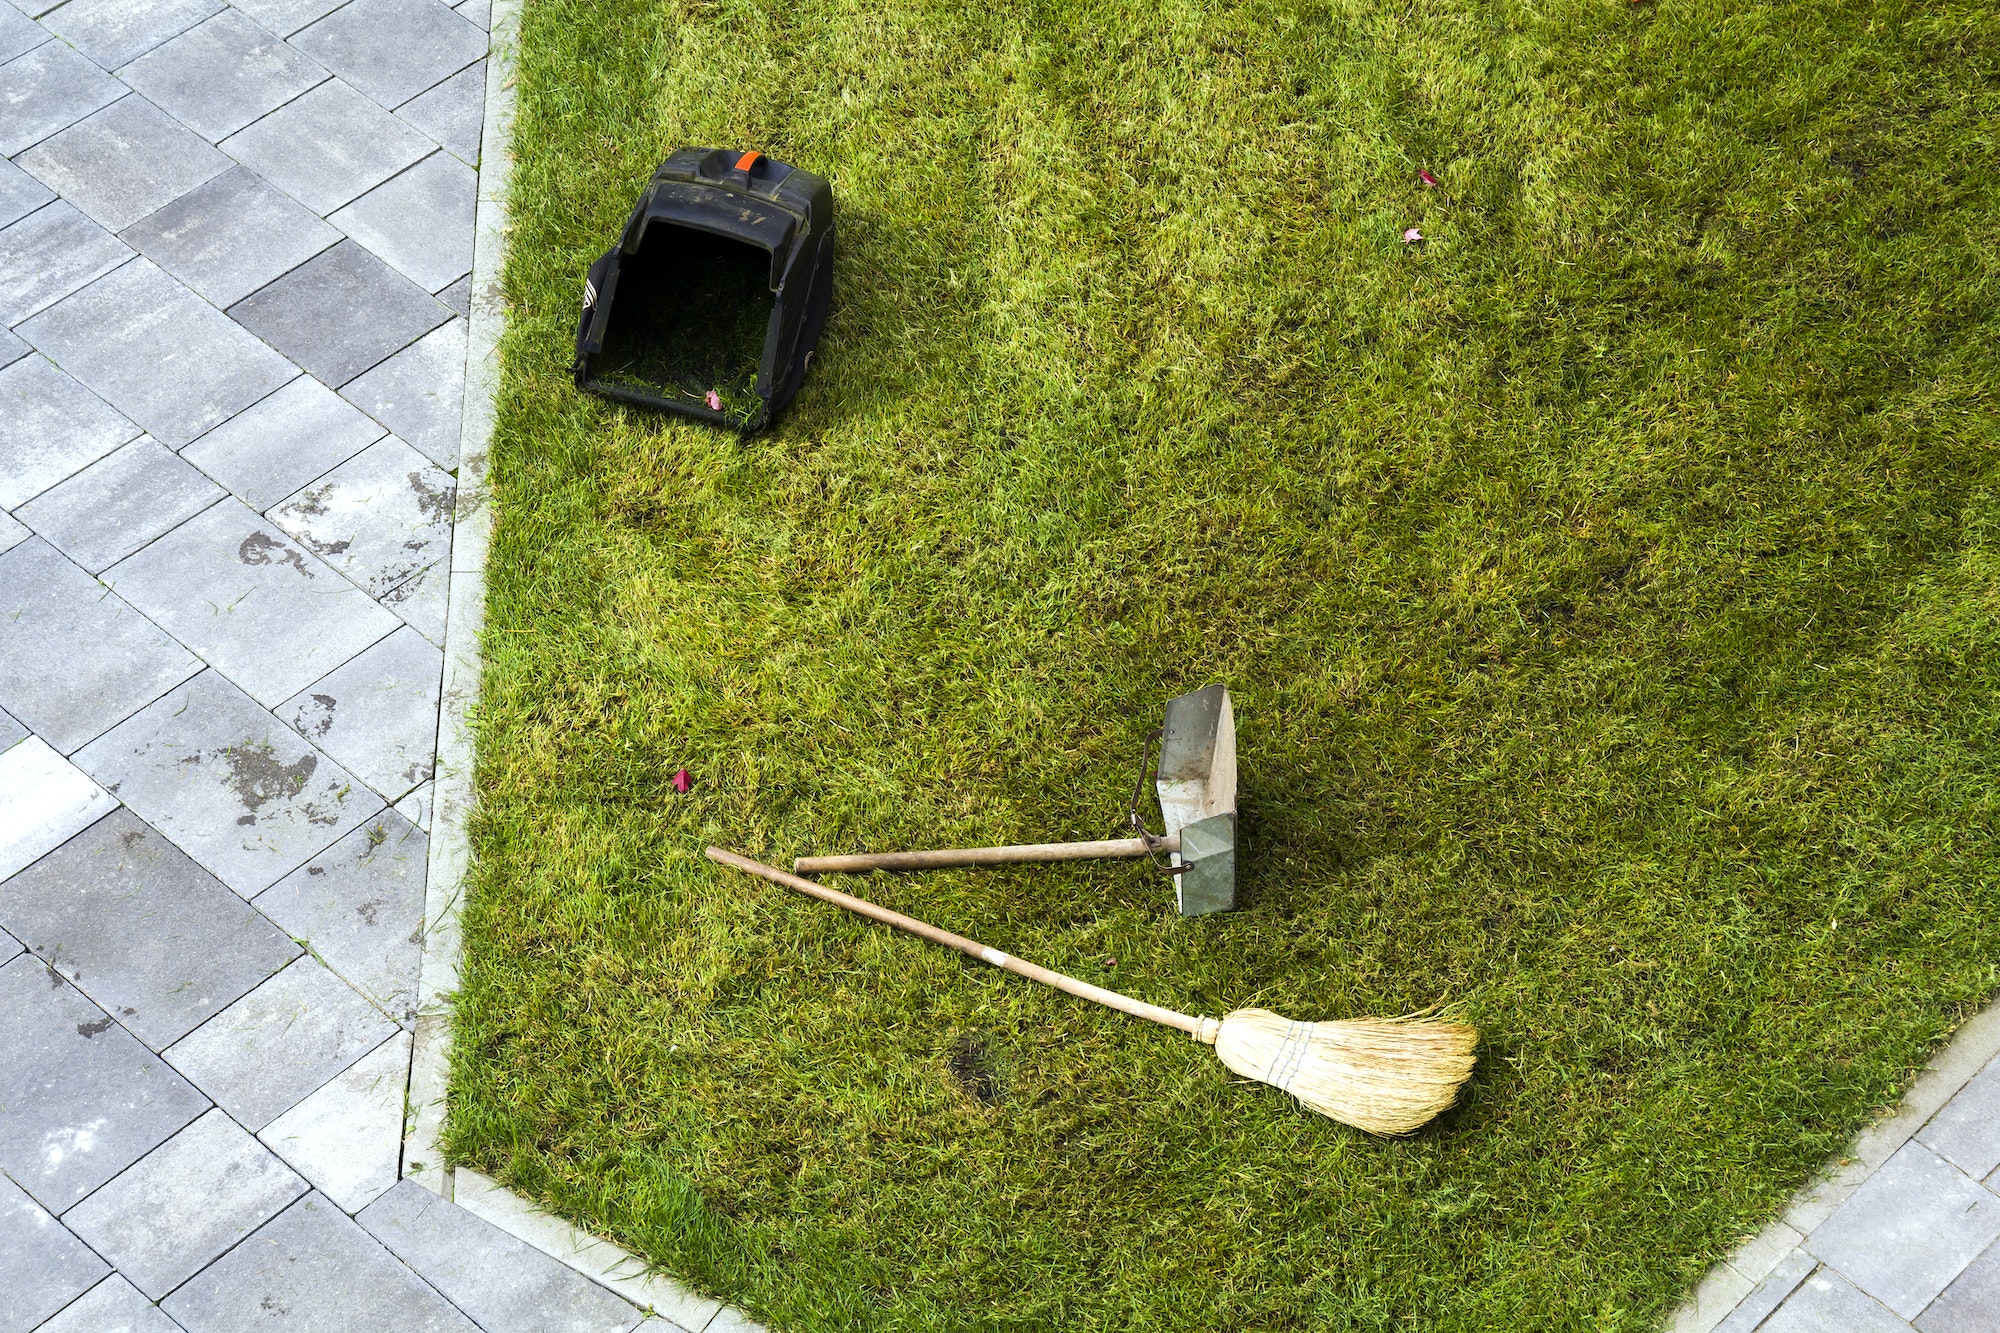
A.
x: 1383, y: 1075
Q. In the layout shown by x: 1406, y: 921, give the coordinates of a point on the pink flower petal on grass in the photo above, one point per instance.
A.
x: 1424, y: 175
x: 1412, y: 236
x: 714, y: 401
x: 682, y: 781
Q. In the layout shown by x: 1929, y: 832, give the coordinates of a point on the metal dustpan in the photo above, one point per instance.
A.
x: 1196, y: 782
x: 1195, y: 778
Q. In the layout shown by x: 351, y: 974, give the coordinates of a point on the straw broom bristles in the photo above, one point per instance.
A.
x: 1384, y: 1075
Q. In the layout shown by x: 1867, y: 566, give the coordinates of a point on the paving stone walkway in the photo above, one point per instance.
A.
x: 236, y: 257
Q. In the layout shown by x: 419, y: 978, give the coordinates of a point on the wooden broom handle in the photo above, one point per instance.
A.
x: 987, y: 856
x: 1124, y: 1004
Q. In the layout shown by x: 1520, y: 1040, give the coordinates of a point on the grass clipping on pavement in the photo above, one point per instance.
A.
x: 1609, y: 588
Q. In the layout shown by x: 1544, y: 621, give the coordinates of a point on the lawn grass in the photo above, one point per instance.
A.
x: 1609, y: 588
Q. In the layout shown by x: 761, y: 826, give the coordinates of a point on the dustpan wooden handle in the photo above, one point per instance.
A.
x: 986, y: 856
x: 1124, y: 1004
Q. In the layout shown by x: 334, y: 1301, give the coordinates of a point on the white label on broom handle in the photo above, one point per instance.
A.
x: 994, y: 956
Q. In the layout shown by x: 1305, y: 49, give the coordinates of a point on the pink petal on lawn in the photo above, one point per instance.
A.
x: 714, y: 401
x: 1424, y: 175
x: 682, y: 781
x: 1412, y: 236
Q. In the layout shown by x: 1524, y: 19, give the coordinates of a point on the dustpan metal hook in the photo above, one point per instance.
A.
x: 1149, y: 772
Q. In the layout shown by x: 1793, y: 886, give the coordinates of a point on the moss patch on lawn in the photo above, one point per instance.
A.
x: 1609, y: 587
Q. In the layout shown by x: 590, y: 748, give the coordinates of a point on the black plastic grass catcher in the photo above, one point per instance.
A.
x: 712, y: 301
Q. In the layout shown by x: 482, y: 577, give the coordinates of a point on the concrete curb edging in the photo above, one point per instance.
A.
x: 597, y: 1259
x: 453, y: 794
x: 472, y: 522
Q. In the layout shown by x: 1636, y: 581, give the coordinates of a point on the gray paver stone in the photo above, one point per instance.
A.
x: 10, y: 731
x: 12, y: 349
x: 340, y: 313
x: 393, y: 49
x: 112, y: 1306
x: 377, y: 715
x: 477, y: 12
x: 222, y: 75
x: 184, y: 1203
x: 1758, y: 1256
x: 259, y: 1057
x: 1967, y: 1131
x: 48, y: 89
x: 50, y: 253
x: 458, y: 296
x: 20, y: 193
x: 112, y: 661
x: 327, y: 147
x: 453, y: 113
x: 505, y: 1284
x: 123, y: 162
x: 347, y: 1137
x: 419, y: 222
x: 1827, y: 1303
x: 243, y: 795
x: 360, y: 905
x: 311, y: 1269
x: 265, y: 612
x: 1769, y: 1293
x: 419, y: 393
x: 12, y: 534
x: 50, y: 427
x: 42, y: 1266
x: 80, y: 1098
x: 268, y: 451
x: 141, y: 929
x: 1971, y: 1304
x: 119, y: 503
x: 423, y: 601
x: 607, y: 1264
x: 1909, y: 1230
x: 9, y: 946
x: 157, y: 352
x: 416, y: 807
x: 286, y: 17
x: 48, y: 801
x: 227, y: 238
x: 18, y: 33
x: 378, y: 518
x: 112, y: 32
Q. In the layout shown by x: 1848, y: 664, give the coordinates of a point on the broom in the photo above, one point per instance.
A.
x: 1384, y: 1075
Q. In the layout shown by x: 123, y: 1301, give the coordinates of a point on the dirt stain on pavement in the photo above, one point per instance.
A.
x: 319, y: 726
x: 433, y: 502
x: 258, y: 549
x: 258, y: 777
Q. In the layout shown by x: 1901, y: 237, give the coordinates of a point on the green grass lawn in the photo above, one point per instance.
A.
x: 1609, y: 588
